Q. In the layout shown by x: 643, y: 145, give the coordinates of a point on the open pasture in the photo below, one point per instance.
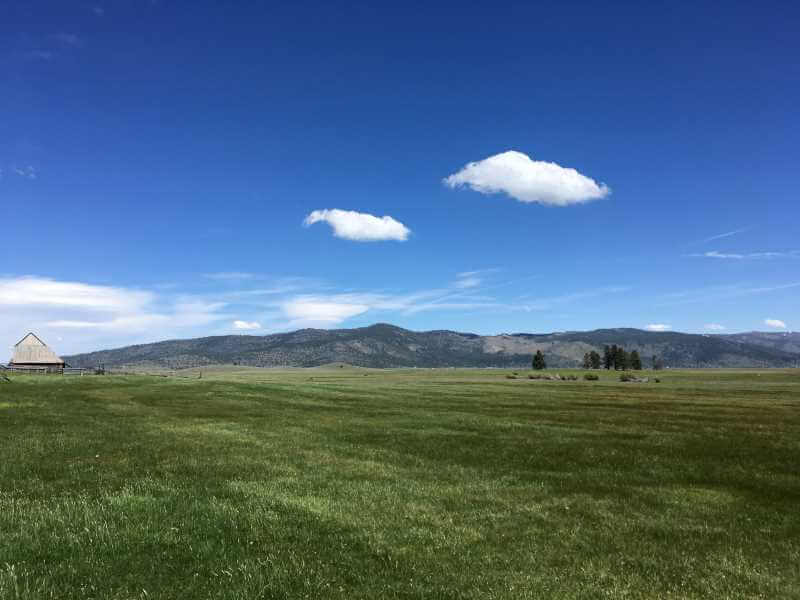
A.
x: 357, y: 483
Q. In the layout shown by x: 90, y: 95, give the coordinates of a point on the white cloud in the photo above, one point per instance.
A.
x: 246, y: 325
x: 28, y: 172
x: 323, y: 310
x: 90, y: 317
x: 467, y: 282
x: 528, y: 180
x: 775, y: 323
x: 658, y: 327
x: 749, y: 255
x: 718, y: 293
x: 37, y: 291
x: 721, y: 236
x: 714, y: 327
x: 359, y: 227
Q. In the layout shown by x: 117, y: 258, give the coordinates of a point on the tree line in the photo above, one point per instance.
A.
x: 614, y: 357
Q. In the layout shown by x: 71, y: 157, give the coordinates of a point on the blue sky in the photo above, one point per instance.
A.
x: 634, y: 165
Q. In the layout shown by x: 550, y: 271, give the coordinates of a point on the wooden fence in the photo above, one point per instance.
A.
x: 46, y: 370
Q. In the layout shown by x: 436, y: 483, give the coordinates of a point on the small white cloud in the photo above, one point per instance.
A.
x: 28, y: 172
x: 246, y: 325
x: 775, y: 323
x: 359, y: 227
x: 515, y: 174
x: 467, y: 282
x: 658, y: 327
x: 714, y: 327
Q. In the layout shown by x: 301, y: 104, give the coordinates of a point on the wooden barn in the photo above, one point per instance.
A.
x: 32, y: 353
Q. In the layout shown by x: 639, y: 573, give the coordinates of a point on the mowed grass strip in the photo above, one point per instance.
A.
x: 408, y: 484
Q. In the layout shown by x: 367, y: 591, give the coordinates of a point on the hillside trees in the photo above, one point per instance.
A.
x: 538, y: 361
x: 587, y: 361
x: 635, y: 361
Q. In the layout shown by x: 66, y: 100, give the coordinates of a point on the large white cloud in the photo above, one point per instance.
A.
x: 76, y: 317
x: 658, y: 327
x: 359, y: 227
x: 714, y: 327
x: 38, y: 291
x: 527, y: 180
x: 323, y: 310
x: 775, y: 323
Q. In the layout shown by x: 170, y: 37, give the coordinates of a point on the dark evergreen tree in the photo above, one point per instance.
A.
x: 657, y: 366
x: 635, y: 361
x: 614, y: 356
x: 608, y: 358
x: 594, y: 359
x: 587, y: 362
x: 621, y: 359
x: 538, y: 361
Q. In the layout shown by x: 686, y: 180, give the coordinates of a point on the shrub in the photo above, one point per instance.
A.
x: 535, y: 376
x: 591, y: 377
x: 627, y: 377
x: 511, y: 376
x: 569, y: 378
x: 656, y: 379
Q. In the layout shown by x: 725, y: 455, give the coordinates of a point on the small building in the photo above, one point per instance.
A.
x: 32, y: 353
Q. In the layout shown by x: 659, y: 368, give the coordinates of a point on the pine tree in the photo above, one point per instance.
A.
x: 594, y: 359
x: 538, y: 361
x: 587, y: 361
x: 621, y: 359
x: 608, y: 359
x: 635, y: 361
x: 656, y: 363
x: 614, y: 356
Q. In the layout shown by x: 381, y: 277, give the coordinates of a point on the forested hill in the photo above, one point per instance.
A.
x: 383, y: 345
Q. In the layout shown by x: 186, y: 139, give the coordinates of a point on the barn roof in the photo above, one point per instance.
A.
x: 31, y: 350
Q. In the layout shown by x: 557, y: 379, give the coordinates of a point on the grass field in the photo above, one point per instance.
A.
x: 354, y: 483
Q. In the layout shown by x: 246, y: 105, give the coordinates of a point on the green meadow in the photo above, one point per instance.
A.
x: 356, y: 483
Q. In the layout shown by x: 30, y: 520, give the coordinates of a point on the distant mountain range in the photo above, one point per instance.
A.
x: 383, y: 345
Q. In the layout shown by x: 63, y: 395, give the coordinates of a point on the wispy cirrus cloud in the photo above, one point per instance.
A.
x: 658, y: 327
x: 720, y: 236
x: 747, y: 255
x: 89, y: 316
x: 359, y: 227
x: 527, y: 180
x: 714, y: 327
x: 25, y: 172
x: 229, y: 276
x: 723, y: 292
